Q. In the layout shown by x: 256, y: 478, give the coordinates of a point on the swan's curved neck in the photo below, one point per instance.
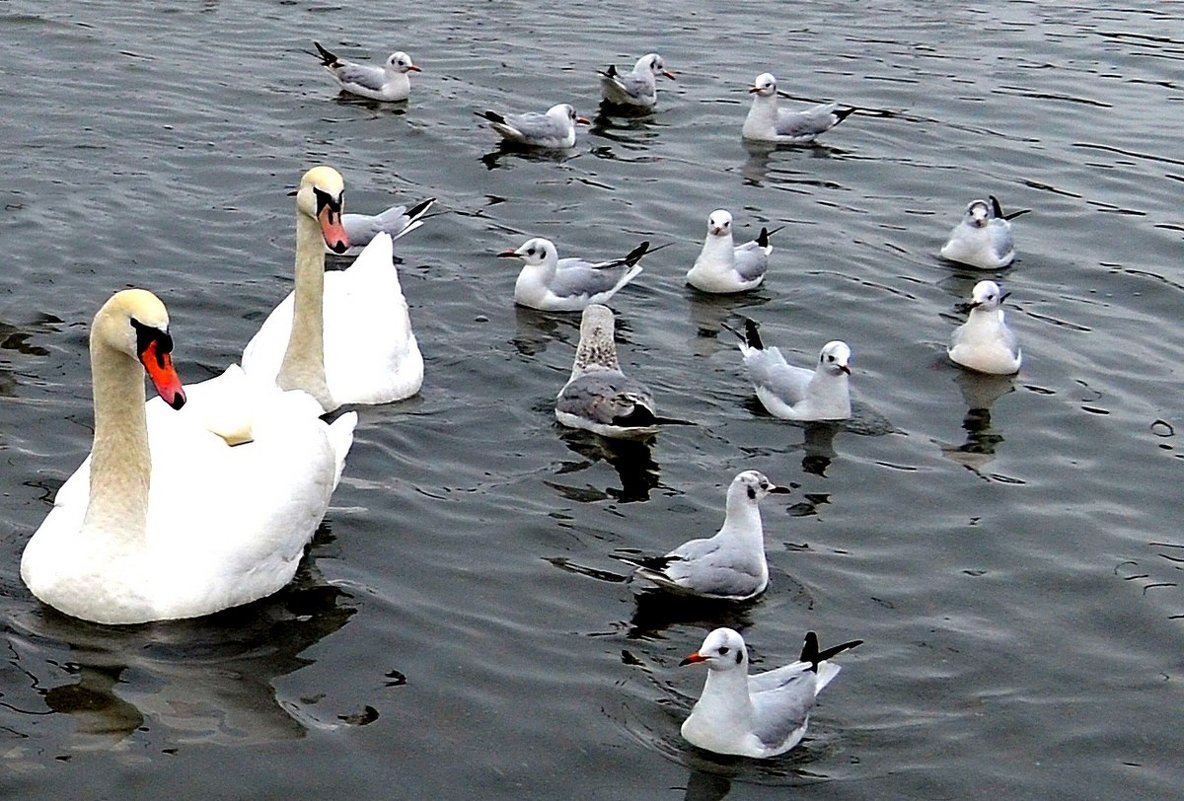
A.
x: 303, y: 366
x: 120, y: 463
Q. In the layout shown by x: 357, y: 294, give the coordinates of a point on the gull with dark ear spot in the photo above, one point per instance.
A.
x: 759, y: 715
x: 983, y: 238
x: 549, y: 283
x: 390, y: 82
x: 729, y: 566
x: 636, y: 89
x: 768, y: 123
x: 984, y: 343
x: 724, y: 267
x: 598, y: 397
x: 795, y: 393
x: 553, y: 130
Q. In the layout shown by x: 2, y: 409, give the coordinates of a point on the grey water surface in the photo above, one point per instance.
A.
x: 1008, y: 548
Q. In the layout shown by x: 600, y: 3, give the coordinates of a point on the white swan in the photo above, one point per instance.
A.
x: 344, y: 336
x: 165, y: 520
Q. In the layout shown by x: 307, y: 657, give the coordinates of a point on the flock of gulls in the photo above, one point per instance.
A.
x: 252, y: 458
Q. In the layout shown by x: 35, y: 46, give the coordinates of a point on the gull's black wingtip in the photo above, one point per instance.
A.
x: 492, y: 116
x: 842, y: 114
x: 325, y: 56
x: 752, y: 334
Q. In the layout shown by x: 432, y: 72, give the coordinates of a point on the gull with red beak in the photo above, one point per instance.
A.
x: 390, y: 82
x: 795, y: 393
x: 549, y: 283
x: 761, y: 715
x: 983, y: 239
x: 724, y: 267
x: 637, y: 89
x: 768, y: 123
x: 553, y: 130
x: 984, y: 343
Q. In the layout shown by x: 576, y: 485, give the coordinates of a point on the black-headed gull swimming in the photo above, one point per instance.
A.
x: 398, y: 221
x: 761, y: 715
x: 598, y: 397
x: 767, y: 123
x: 723, y: 267
x: 553, y: 130
x: 549, y: 283
x: 728, y: 566
x: 983, y: 238
x: 795, y: 393
x: 389, y: 82
x: 984, y: 343
x: 639, y: 88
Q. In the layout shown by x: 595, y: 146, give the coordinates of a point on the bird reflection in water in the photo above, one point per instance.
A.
x: 759, y: 168
x: 632, y: 460
x: 979, y: 391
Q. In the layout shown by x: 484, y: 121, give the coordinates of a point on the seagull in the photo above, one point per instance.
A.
x: 398, y: 221
x: 549, y: 283
x: 767, y: 123
x: 554, y: 130
x: 389, y: 82
x: 984, y: 343
x: 983, y: 238
x: 761, y: 715
x: 725, y: 268
x: 599, y: 397
x: 637, y: 88
x: 731, y: 565
x: 795, y: 393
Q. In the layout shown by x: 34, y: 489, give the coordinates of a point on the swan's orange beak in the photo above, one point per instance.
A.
x: 333, y: 230
x: 159, y: 366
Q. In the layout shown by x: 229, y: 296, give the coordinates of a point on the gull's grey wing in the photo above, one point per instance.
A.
x: 1001, y: 239
x: 767, y: 368
x: 362, y: 75
x: 751, y: 261
x: 361, y: 228
x: 703, y: 566
x: 535, y: 126
x: 576, y: 277
x: 604, y: 396
x: 781, y: 713
x: 810, y: 122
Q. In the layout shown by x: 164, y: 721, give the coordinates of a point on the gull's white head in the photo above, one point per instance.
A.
x: 719, y: 223
x: 723, y: 649
x: 400, y: 62
x: 987, y: 295
x: 534, y: 252
x: 136, y: 323
x: 978, y: 213
x: 753, y: 485
x: 765, y: 85
x: 321, y: 196
x: 653, y: 62
x: 565, y: 113
x: 835, y: 357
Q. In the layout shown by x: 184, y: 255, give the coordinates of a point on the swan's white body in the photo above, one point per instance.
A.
x: 165, y: 519
x: 344, y: 336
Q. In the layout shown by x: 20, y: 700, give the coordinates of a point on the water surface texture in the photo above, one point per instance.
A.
x: 1009, y: 549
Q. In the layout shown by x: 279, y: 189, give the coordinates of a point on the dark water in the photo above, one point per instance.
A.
x: 1009, y: 549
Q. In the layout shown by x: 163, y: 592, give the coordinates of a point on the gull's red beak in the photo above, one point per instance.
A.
x: 692, y: 659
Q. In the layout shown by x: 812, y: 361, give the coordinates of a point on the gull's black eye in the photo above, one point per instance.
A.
x: 530, y: 251
x: 723, y: 650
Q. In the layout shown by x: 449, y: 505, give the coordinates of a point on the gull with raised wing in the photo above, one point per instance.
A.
x: 598, y: 397
x: 398, y: 221
x: 768, y: 123
x: 984, y: 343
x: 636, y: 89
x: 729, y: 566
x: 724, y: 267
x: 761, y: 715
x: 390, y: 82
x: 983, y: 238
x: 795, y: 393
x: 549, y: 283
x: 553, y: 130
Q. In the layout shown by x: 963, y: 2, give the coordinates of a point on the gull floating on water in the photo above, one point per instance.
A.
x: 554, y: 130
x: 638, y: 88
x: 723, y: 267
x: 795, y: 393
x: 598, y: 397
x: 761, y: 715
x: 767, y: 123
x: 983, y: 238
x: 984, y: 343
x: 389, y: 82
x: 550, y: 283
x: 398, y: 221
x: 729, y: 566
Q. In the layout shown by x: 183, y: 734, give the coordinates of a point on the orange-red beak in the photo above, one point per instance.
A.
x: 668, y: 74
x: 414, y: 68
x: 583, y: 121
x: 333, y: 230
x: 159, y: 366
x: 692, y: 659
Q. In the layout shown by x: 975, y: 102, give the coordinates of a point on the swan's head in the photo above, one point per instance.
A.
x: 765, y: 85
x: 566, y: 113
x: 719, y: 223
x: 401, y: 62
x: 136, y: 323
x: 835, y: 357
x: 534, y: 252
x: 753, y: 486
x: 321, y: 196
x: 987, y: 295
x: 722, y: 650
x: 978, y: 213
x: 653, y: 62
